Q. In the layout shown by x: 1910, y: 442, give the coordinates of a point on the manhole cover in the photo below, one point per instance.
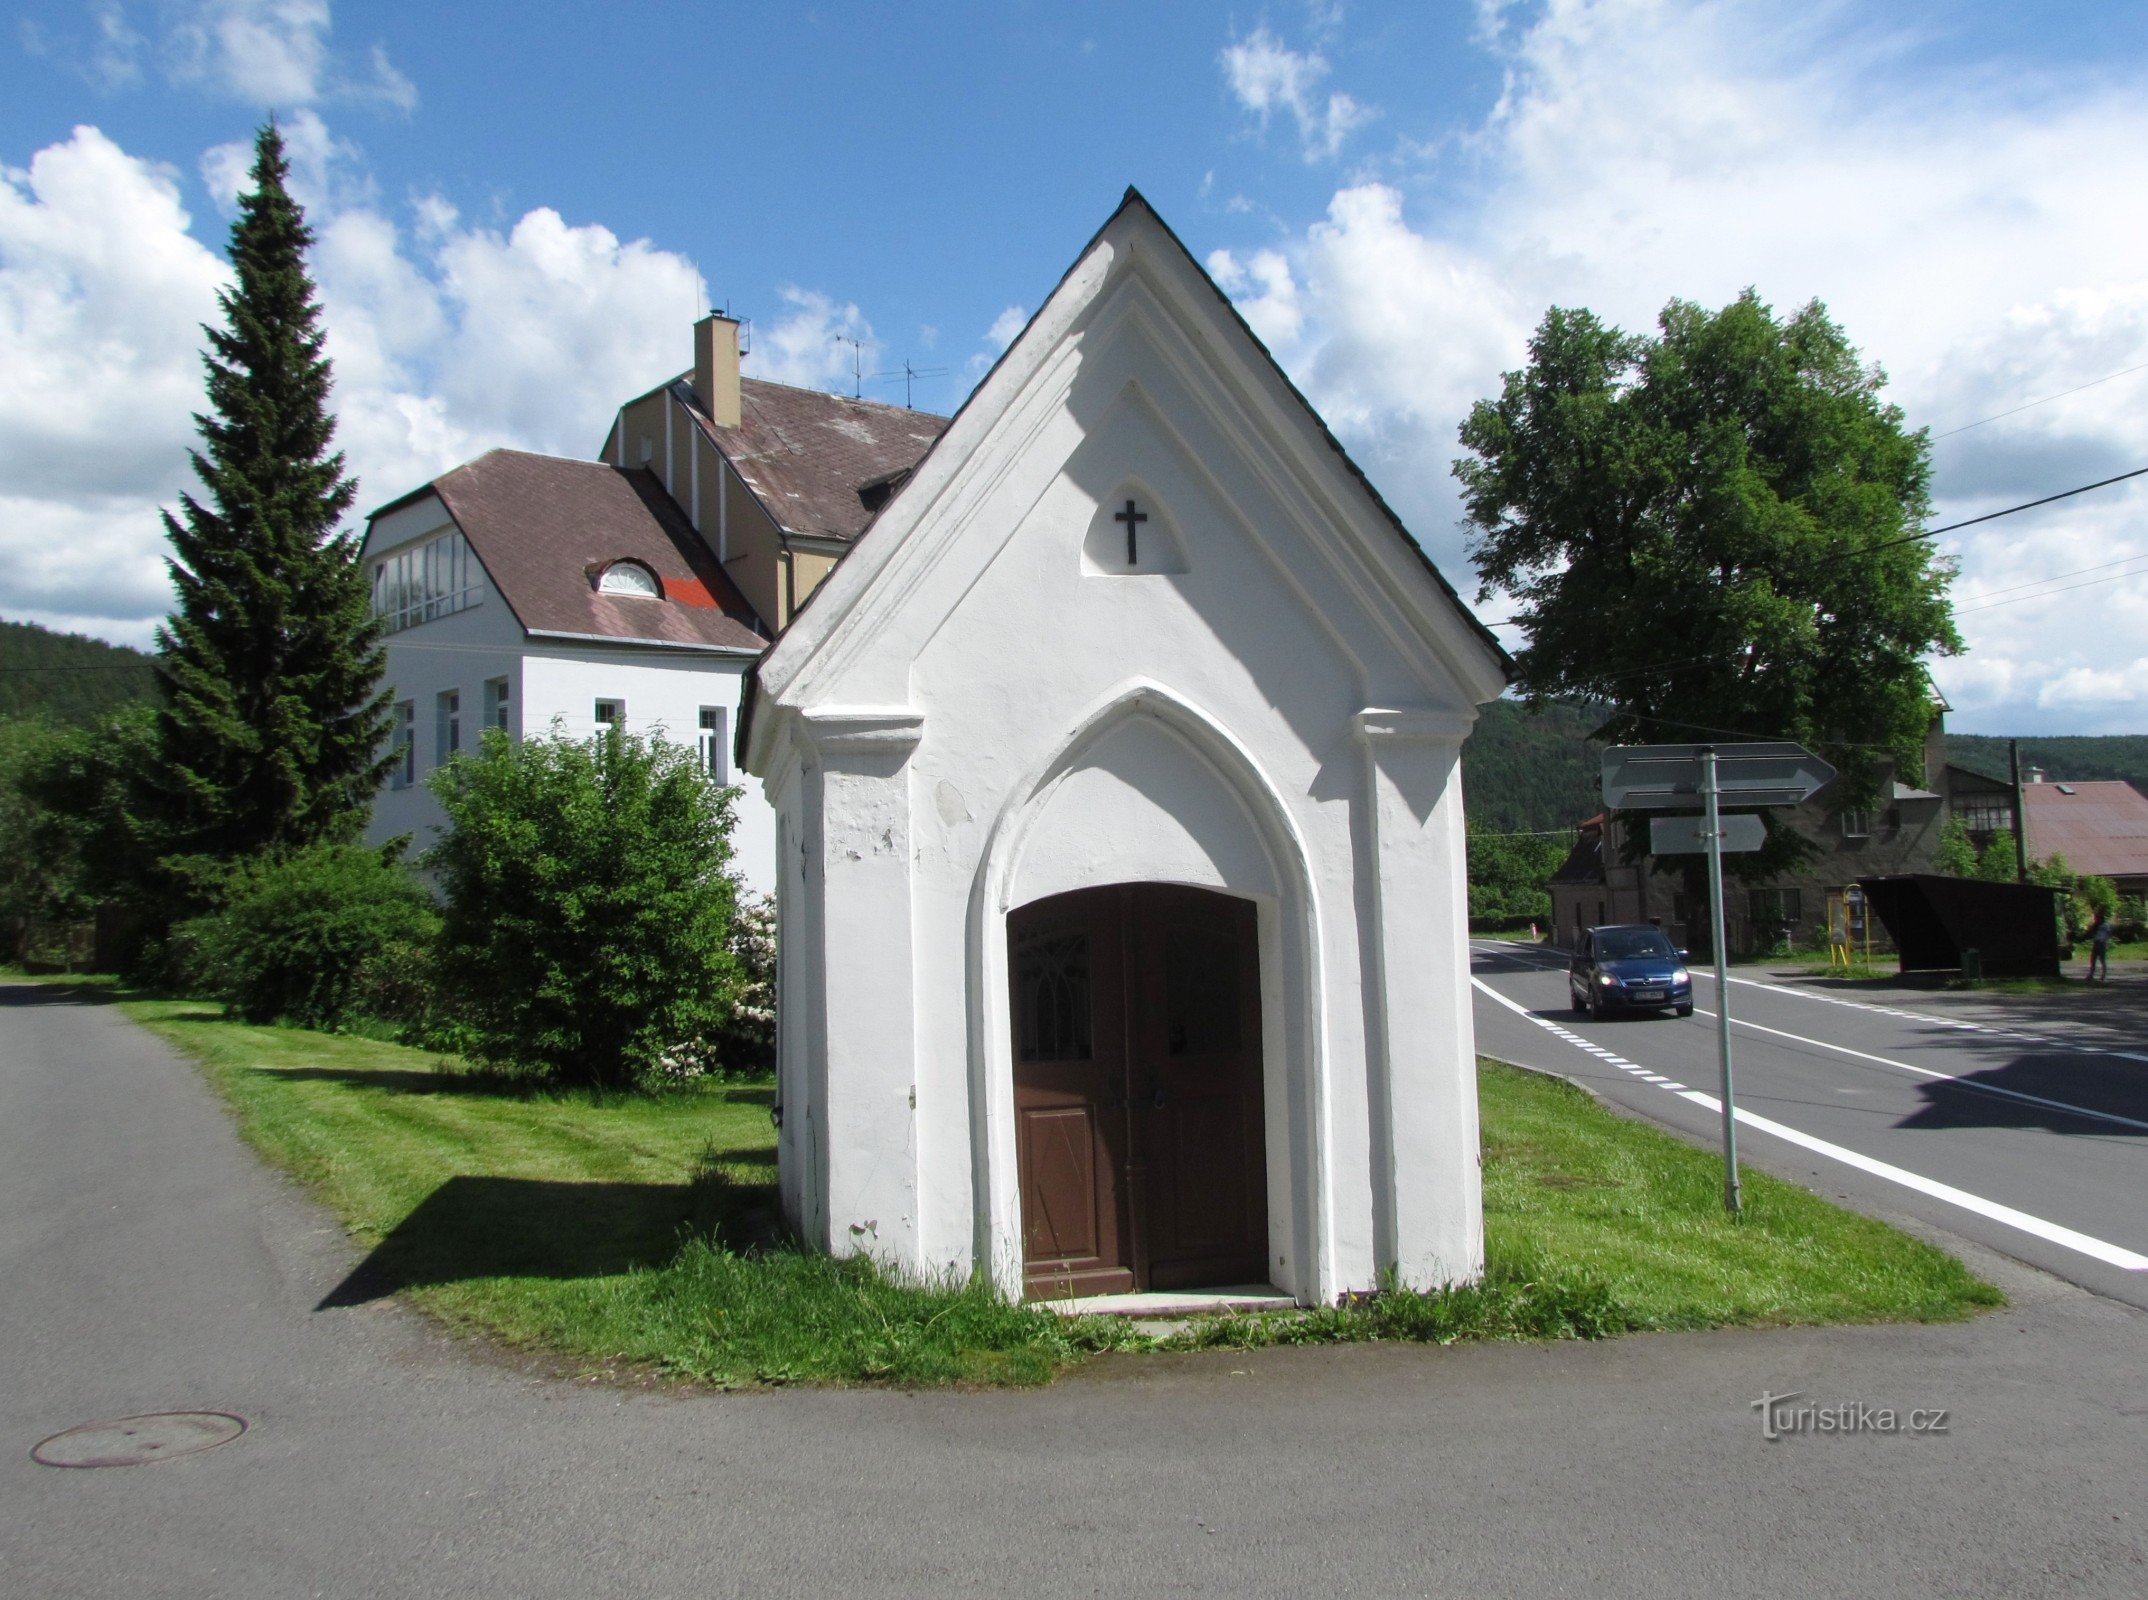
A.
x: 134, y: 1441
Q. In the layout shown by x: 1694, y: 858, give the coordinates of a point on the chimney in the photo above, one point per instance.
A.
x: 2036, y: 774
x: 716, y: 368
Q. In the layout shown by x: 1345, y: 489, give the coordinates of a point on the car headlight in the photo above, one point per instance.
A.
x: 1681, y: 976
x: 1607, y: 980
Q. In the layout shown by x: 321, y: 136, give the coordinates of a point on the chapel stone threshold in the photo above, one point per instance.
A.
x: 1174, y: 1303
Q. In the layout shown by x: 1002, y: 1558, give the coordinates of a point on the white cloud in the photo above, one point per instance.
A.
x: 1265, y: 291
x: 1266, y: 76
x: 447, y: 340
x: 269, y: 54
x: 102, y: 293
x: 1006, y: 327
x: 263, y: 52
x: 815, y: 344
x: 116, y: 59
x: 1980, y: 237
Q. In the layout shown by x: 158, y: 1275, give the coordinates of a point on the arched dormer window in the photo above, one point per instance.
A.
x: 630, y: 578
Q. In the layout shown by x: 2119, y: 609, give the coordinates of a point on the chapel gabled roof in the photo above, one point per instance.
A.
x: 812, y: 458
x: 545, y: 527
x: 1132, y: 199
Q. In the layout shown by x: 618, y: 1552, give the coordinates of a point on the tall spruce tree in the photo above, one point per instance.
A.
x: 272, y: 721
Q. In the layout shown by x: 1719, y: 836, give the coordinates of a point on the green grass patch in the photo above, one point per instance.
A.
x: 639, y: 1232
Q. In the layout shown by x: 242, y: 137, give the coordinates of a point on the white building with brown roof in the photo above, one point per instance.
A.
x: 527, y: 592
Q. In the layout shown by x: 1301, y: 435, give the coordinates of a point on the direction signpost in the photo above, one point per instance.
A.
x: 1671, y: 777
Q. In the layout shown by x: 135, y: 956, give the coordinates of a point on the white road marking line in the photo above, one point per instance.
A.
x: 2050, y: 1232
x: 2114, y: 1255
x: 1927, y: 1018
x: 1962, y: 1079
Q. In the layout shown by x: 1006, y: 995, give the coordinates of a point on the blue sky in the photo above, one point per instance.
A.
x: 522, y: 207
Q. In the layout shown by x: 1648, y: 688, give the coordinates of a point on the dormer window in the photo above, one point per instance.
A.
x: 632, y: 578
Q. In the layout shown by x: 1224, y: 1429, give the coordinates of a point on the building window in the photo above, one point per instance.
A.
x: 426, y: 581
x: 402, y: 743
x: 447, y: 716
x: 630, y: 578
x: 498, y: 705
x: 715, y: 748
x: 1985, y: 813
x: 1856, y: 824
x: 611, y: 713
x: 1774, y: 908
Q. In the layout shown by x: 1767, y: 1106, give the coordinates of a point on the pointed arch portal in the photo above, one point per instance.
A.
x: 1138, y: 1101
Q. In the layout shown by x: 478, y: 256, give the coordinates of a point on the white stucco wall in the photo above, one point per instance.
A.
x: 550, y: 681
x: 993, y: 708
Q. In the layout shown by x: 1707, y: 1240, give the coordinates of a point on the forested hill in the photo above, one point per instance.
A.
x: 66, y: 676
x: 2078, y: 757
x: 1530, y: 774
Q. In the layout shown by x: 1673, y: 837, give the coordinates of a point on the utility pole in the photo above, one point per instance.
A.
x: 2021, y: 816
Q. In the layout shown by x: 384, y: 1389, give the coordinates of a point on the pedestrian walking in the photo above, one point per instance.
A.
x: 2099, y: 947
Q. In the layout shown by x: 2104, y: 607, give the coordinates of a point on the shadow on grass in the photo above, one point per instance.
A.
x: 473, y: 1227
x: 495, y: 1085
x: 416, y: 1080
x: 68, y: 992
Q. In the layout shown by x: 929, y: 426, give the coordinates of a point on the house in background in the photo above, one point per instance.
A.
x: 524, y: 592
x: 2101, y: 828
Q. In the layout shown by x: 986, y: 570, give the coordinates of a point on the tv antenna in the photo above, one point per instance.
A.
x: 909, y: 376
x: 857, y: 364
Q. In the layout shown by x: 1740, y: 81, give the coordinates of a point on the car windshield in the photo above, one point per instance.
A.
x: 1632, y: 944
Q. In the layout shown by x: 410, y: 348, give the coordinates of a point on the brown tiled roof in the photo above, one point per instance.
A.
x: 2100, y: 828
x: 806, y: 454
x: 544, y: 526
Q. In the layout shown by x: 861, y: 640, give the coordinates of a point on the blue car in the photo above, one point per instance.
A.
x: 1629, y: 967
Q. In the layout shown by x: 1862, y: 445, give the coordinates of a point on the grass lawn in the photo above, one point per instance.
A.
x: 639, y: 1233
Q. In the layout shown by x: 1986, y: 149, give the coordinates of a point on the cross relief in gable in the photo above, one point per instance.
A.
x: 1131, y: 533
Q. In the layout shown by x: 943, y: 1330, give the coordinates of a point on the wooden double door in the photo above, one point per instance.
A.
x: 1137, y: 1090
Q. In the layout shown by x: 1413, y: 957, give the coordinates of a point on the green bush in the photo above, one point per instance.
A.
x: 589, y: 907
x: 320, y: 937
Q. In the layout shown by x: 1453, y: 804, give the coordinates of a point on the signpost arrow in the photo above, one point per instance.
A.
x: 1667, y: 777
x: 1671, y: 777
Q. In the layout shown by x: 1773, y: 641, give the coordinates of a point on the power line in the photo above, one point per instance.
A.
x: 1933, y: 533
x: 1993, y: 516
x: 2045, y: 400
x: 2090, y: 583
x: 2038, y: 583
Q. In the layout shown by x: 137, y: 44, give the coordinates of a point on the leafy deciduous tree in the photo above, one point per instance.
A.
x: 1710, y: 530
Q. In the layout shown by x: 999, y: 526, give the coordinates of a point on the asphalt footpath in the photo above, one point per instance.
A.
x: 149, y: 1263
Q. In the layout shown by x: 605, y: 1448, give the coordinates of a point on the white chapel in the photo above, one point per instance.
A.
x: 1118, y: 833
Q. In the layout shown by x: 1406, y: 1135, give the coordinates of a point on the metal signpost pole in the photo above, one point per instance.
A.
x: 1714, y: 831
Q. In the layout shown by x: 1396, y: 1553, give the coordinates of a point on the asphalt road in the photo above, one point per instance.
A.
x: 148, y: 1262
x: 2019, y: 1121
